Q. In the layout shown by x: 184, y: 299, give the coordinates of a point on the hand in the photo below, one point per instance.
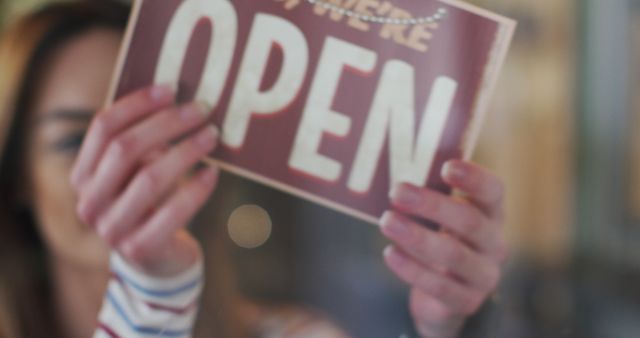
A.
x: 453, y: 271
x: 130, y: 179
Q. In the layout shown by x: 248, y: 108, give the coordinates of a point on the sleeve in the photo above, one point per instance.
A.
x: 140, y: 306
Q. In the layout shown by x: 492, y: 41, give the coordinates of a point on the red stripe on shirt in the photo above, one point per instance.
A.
x: 104, y: 327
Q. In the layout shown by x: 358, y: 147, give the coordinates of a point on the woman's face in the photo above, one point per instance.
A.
x: 72, y: 87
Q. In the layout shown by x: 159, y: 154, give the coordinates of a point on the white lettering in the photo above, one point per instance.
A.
x: 318, y: 117
x: 224, y: 19
x: 393, y: 110
x: 247, y: 99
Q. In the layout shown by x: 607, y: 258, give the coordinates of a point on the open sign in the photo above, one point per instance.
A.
x: 328, y: 106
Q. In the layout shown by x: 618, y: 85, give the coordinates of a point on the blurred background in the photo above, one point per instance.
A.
x: 561, y: 133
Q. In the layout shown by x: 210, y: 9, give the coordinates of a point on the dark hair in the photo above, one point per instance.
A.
x: 26, y: 309
x: 25, y: 299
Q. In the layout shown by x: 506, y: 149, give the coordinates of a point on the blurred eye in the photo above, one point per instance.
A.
x: 69, y: 143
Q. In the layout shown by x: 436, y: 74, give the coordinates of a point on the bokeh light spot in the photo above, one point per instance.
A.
x: 249, y: 226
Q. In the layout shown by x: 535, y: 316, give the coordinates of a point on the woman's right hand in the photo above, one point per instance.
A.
x: 129, y: 177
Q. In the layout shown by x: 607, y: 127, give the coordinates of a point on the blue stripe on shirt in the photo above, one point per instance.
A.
x: 159, y: 293
x: 143, y: 329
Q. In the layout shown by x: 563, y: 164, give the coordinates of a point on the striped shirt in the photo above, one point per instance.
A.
x: 140, y: 306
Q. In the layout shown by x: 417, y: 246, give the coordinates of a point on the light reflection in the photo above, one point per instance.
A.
x: 249, y: 226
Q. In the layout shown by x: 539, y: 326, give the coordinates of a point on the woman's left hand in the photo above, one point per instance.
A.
x: 453, y: 271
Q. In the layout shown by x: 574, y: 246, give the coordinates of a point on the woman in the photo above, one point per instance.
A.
x: 133, y: 190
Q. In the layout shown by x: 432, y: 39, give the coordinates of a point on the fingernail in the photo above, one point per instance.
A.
x: 387, y: 251
x: 203, y: 108
x: 208, y: 137
x: 384, y: 219
x: 393, y: 226
x: 397, y: 260
x: 161, y: 92
x: 452, y: 171
x: 403, y: 195
x: 193, y: 112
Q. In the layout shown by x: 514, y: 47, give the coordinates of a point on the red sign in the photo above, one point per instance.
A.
x: 334, y: 100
